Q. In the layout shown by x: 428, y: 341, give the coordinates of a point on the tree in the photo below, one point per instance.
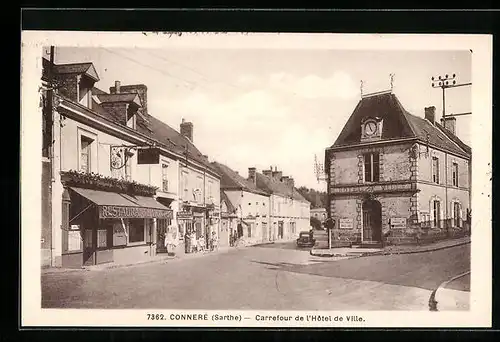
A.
x: 315, y: 223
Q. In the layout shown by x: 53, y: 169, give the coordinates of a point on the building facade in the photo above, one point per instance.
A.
x: 289, y: 211
x: 112, y: 186
x: 319, y: 213
x: 251, y: 206
x: 394, y: 177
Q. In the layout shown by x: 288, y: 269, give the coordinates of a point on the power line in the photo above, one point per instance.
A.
x: 151, y: 67
x: 195, y: 71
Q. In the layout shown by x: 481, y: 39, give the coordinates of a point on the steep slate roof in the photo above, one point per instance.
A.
x: 398, y: 123
x: 275, y: 186
x: 125, y: 97
x: 155, y: 129
x: 230, y: 179
x: 72, y: 68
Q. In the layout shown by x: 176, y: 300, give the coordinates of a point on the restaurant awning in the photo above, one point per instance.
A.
x: 117, y: 205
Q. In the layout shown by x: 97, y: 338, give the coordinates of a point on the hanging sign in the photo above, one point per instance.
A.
x: 148, y: 155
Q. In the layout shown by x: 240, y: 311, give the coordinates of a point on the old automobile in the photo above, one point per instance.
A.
x: 305, y: 239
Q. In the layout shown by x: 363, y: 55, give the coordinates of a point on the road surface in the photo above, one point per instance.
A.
x: 272, y: 277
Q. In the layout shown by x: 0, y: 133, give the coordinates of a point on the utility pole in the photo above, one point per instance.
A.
x: 446, y: 82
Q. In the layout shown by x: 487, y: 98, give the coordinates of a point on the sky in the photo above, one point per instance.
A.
x: 271, y: 107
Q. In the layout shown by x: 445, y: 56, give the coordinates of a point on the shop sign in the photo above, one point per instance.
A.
x: 75, y: 227
x: 109, y: 211
x: 398, y: 222
x: 184, y: 215
x: 346, y: 223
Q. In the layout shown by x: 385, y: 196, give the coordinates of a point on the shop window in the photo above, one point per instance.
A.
x: 119, y: 233
x: 102, y: 240
x: 371, y: 165
x: 136, y: 230
x: 435, y: 170
x: 454, y: 174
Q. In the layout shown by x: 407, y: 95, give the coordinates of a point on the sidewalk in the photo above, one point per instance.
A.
x: 453, y: 294
x: 401, y: 249
x: 153, y: 260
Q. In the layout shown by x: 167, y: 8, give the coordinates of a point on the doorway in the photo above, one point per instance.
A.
x: 372, y: 221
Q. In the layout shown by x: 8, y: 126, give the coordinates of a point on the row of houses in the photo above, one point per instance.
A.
x: 117, y: 181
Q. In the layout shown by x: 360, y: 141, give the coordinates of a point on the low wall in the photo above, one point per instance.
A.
x: 132, y: 254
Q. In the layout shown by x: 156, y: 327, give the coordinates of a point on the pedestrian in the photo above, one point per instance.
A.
x: 187, y: 242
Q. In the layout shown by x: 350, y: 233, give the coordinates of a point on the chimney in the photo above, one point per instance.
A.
x: 267, y: 173
x: 449, y: 123
x: 116, y: 89
x: 291, y: 182
x: 430, y: 114
x: 187, y: 130
x: 285, y: 179
x: 251, y: 175
x: 277, y: 174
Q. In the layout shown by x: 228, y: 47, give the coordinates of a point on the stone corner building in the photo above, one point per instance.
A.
x: 394, y: 177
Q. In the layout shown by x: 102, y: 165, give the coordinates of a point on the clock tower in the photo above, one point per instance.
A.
x: 371, y: 128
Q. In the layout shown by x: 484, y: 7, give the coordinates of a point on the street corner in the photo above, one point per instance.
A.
x: 454, y: 294
x: 452, y: 300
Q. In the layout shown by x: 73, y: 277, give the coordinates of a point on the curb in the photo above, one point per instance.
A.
x: 414, y: 252
x: 434, y: 300
x: 262, y: 244
x: 103, y: 267
x: 368, y: 254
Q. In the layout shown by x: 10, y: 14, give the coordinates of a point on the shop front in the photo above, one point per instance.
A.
x: 102, y: 227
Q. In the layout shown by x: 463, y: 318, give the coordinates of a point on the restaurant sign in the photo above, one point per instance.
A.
x: 110, y: 211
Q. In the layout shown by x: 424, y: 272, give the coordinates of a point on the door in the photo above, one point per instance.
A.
x: 280, y: 230
x: 88, y: 247
x: 372, y: 221
x: 264, y: 232
x: 161, y: 235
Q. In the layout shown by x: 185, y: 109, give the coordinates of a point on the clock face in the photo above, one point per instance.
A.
x: 370, y: 128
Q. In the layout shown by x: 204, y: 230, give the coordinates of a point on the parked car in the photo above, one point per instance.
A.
x: 305, y: 239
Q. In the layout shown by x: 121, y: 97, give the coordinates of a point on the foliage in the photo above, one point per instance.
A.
x: 315, y: 223
x: 318, y: 199
x: 99, y: 182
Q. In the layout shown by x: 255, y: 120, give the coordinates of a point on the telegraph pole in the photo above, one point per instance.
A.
x: 446, y: 82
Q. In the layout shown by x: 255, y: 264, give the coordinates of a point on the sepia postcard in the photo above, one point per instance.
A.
x: 255, y: 180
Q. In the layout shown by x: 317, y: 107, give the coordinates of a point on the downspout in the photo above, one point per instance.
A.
x: 51, y: 151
